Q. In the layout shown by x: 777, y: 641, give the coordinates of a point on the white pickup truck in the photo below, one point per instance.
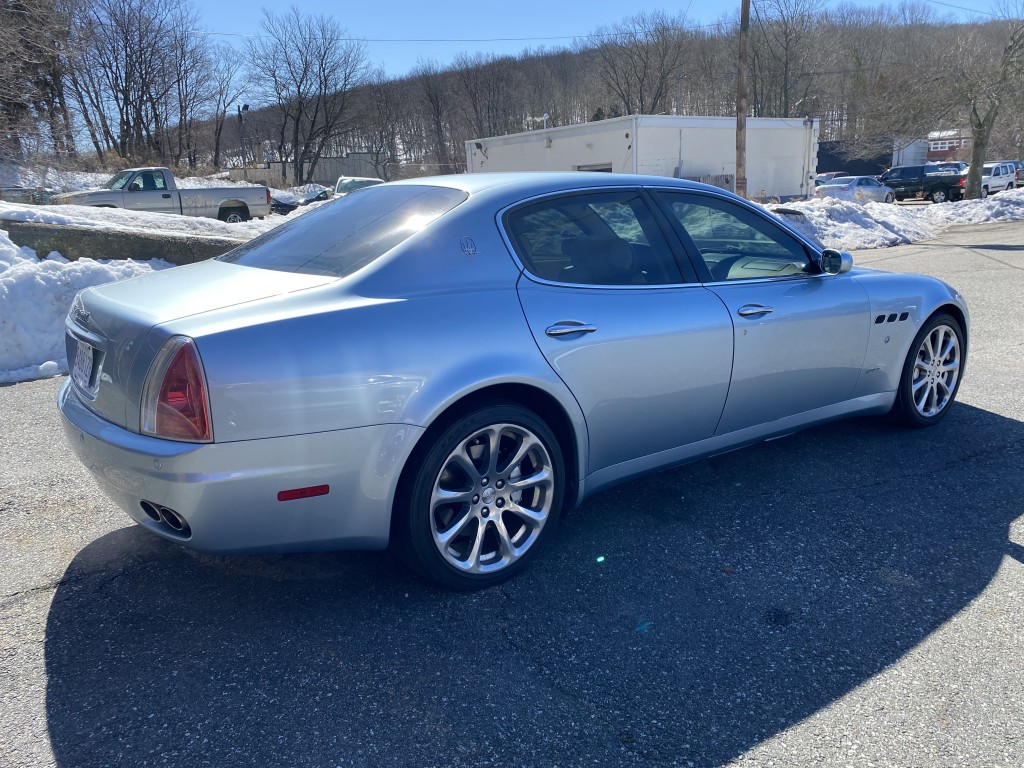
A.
x: 154, y: 190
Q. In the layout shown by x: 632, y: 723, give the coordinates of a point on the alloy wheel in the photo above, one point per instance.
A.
x: 936, y: 371
x: 492, y: 498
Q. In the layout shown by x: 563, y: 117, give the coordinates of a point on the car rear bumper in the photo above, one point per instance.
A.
x: 227, y: 493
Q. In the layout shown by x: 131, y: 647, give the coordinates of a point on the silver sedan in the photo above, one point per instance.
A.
x: 856, y: 189
x: 447, y: 365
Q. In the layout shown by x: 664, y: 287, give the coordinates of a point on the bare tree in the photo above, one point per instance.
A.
x: 226, y: 88
x: 987, y: 85
x: 309, y: 67
x: 34, y: 113
x: 641, y: 61
x: 381, y: 124
x: 435, y: 90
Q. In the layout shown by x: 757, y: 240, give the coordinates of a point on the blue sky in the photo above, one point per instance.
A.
x: 400, y: 33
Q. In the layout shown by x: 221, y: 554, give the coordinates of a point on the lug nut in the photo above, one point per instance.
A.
x: 500, y: 484
x: 499, y: 503
x: 485, y: 511
x: 484, y: 481
x: 476, y: 499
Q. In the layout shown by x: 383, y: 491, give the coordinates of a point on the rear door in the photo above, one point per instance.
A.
x: 645, y: 350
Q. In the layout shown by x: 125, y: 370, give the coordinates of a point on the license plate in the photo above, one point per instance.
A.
x: 82, y: 370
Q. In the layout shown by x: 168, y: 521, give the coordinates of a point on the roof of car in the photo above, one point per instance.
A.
x: 540, y: 182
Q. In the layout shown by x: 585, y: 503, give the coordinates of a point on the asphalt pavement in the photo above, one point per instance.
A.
x: 850, y: 595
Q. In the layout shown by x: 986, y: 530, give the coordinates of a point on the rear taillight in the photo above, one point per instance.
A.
x: 174, y: 402
x: 963, y: 181
x: 268, y: 195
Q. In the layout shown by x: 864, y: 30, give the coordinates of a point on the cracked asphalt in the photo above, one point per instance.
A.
x: 851, y: 595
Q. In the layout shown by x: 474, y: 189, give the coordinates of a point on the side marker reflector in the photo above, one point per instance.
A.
x: 304, y: 493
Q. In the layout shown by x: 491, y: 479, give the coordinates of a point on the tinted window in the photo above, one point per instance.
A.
x: 734, y: 242
x: 340, y: 237
x: 607, y: 238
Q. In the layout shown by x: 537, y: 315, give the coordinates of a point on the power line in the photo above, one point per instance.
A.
x: 961, y: 8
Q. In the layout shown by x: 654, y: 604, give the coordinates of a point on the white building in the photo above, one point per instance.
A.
x: 782, y: 154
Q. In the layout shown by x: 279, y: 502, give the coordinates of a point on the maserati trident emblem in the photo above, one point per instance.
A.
x: 468, y: 246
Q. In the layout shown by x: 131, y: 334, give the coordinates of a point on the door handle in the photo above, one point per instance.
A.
x: 166, y: 194
x: 753, y: 310
x: 567, y: 328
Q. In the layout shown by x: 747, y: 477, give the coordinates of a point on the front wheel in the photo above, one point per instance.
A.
x: 984, y: 192
x: 889, y: 198
x: 932, y: 372
x: 486, y: 495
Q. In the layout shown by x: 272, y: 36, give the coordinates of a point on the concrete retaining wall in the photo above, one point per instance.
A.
x: 85, y: 243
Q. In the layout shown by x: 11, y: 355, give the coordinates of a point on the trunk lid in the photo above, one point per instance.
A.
x: 111, y: 337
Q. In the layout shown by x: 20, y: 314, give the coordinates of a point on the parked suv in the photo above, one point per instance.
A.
x: 995, y: 177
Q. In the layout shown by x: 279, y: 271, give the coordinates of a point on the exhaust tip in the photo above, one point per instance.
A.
x: 172, y: 522
x: 151, y: 511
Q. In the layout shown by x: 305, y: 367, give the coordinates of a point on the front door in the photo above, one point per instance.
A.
x: 148, y: 192
x: 800, y: 336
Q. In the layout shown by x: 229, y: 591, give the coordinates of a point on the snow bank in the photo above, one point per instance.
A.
x: 848, y: 226
x: 34, y: 298
x: 120, y: 220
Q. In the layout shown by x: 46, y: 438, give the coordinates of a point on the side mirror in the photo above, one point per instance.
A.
x: 833, y: 262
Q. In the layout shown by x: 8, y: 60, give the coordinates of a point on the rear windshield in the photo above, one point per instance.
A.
x: 345, y: 235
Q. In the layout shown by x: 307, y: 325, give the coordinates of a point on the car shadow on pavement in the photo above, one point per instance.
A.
x: 682, y: 618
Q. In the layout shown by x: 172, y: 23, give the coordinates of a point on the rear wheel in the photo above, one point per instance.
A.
x: 939, y: 196
x: 932, y: 372
x: 234, y: 215
x: 486, y: 495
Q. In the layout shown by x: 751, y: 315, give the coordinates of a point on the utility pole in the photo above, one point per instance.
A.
x: 741, y: 103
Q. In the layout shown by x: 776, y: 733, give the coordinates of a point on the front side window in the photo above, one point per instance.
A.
x: 345, y: 235
x: 604, y: 238
x: 734, y: 242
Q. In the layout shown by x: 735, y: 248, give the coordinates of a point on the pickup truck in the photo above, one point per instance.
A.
x: 937, y: 183
x: 154, y: 190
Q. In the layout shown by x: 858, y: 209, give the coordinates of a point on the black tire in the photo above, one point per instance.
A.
x: 234, y: 215
x: 984, y: 192
x: 931, y: 373
x: 458, y: 521
x: 889, y: 198
x: 939, y: 196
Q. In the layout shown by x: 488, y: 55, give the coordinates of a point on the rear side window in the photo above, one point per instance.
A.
x: 345, y: 235
x: 603, y: 238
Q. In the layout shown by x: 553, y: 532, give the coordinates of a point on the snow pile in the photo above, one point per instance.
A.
x: 118, y: 219
x: 840, y: 224
x: 848, y: 226
x: 34, y: 299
